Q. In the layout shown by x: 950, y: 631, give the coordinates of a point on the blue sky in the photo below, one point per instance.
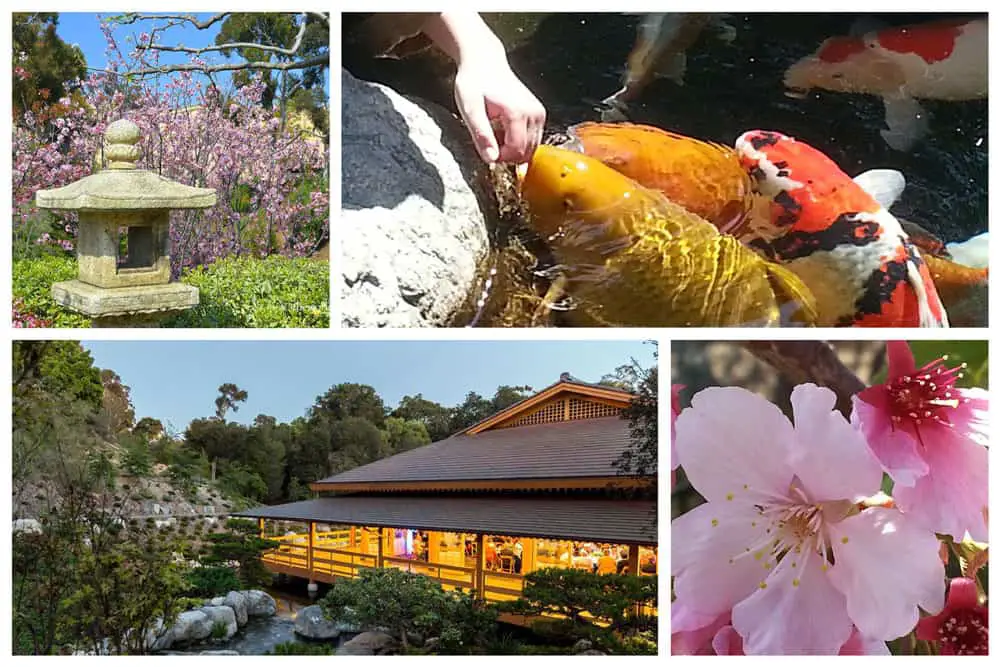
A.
x: 83, y: 29
x: 177, y: 381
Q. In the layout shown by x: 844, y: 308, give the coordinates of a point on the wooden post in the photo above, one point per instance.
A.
x: 260, y: 527
x: 381, y: 548
x: 529, y: 562
x: 312, y: 543
x: 480, y: 580
x: 633, y: 559
x: 433, y: 546
x: 354, y: 538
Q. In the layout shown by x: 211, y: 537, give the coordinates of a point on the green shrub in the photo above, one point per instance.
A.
x: 246, y: 292
x: 300, y: 648
x: 32, y: 288
x: 212, y: 581
x: 218, y: 630
x: 411, y: 603
x: 243, y: 292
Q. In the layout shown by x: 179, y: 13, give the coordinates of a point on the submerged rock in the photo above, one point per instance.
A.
x: 412, y: 228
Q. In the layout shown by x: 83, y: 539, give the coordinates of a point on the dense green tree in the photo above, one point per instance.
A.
x: 355, y: 441
x: 217, y: 439
x: 241, y: 481
x: 278, y: 30
x: 642, y: 455
x: 406, y: 604
x: 476, y: 408
x: 149, y: 428
x: 434, y: 416
x: 230, y: 397
x: 136, y: 458
x: 45, y: 66
x: 403, y: 434
x: 349, y: 399
x: 267, y: 447
x: 60, y: 367
x: 240, y: 543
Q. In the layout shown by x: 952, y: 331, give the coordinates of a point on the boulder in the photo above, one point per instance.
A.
x: 583, y: 645
x: 412, y: 226
x: 27, y: 526
x: 260, y: 603
x: 238, y: 602
x: 219, y: 652
x: 367, y: 643
x: 311, y: 623
x: 224, y: 616
x: 216, y: 602
x: 191, y: 626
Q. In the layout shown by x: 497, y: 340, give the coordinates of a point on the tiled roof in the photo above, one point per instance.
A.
x: 572, y: 449
x: 597, y: 519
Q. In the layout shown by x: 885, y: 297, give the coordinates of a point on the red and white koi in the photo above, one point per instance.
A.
x: 941, y: 60
x: 844, y: 245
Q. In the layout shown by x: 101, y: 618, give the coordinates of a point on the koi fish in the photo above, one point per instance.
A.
x: 844, y: 245
x: 631, y: 257
x: 941, y: 60
x: 705, y: 178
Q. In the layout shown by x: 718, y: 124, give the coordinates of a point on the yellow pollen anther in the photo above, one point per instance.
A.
x: 758, y: 555
x: 746, y: 486
x: 795, y: 583
x: 795, y: 564
x: 763, y: 585
x: 729, y: 496
x: 715, y: 523
x: 753, y: 524
x: 825, y: 567
x: 843, y: 540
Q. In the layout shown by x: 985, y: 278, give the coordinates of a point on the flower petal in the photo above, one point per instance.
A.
x: 705, y: 542
x: 951, y: 498
x: 887, y: 567
x: 727, y: 641
x: 901, y: 360
x: 896, y: 449
x: 830, y: 457
x: 858, y: 644
x: 798, y: 613
x: 731, y: 441
x: 692, y: 632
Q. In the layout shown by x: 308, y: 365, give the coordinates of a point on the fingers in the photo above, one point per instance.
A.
x: 473, y: 111
x: 522, y: 131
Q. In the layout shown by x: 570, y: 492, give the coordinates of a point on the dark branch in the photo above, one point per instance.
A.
x: 810, y: 361
x: 291, y: 51
x: 315, y: 61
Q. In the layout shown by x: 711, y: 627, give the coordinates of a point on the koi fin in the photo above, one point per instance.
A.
x: 974, y: 252
x: 884, y: 185
x: 906, y: 122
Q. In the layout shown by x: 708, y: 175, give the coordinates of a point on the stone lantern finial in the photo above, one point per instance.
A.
x: 121, y: 144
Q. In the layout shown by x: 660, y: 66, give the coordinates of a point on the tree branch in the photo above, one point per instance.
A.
x: 291, y: 51
x: 132, y: 17
x: 810, y: 361
x: 315, y: 61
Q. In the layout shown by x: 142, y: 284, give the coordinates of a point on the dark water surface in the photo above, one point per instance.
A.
x: 572, y: 61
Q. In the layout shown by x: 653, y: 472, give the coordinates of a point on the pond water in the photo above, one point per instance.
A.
x: 572, y: 61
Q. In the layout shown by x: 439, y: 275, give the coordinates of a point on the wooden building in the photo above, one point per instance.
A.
x: 533, y: 486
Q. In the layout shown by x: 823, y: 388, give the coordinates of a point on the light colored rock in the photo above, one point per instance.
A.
x: 583, y: 645
x: 260, y: 603
x: 367, y: 643
x: 219, y: 652
x: 191, y: 626
x: 222, y: 615
x: 312, y: 623
x: 412, y: 227
x: 216, y: 602
x: 27, y: 526
x: 238, y: 603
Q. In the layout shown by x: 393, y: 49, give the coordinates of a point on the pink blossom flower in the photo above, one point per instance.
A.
x: 962, y: 627
x: 930, y: 437
x: 783, y: 540
x: 694, y: 634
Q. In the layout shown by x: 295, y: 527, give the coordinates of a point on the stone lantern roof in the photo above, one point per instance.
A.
x: 122, y: 187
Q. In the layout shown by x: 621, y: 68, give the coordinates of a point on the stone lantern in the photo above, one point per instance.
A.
x: 123, y: 247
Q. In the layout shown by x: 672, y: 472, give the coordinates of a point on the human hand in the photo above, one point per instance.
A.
x: 490, y: 97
